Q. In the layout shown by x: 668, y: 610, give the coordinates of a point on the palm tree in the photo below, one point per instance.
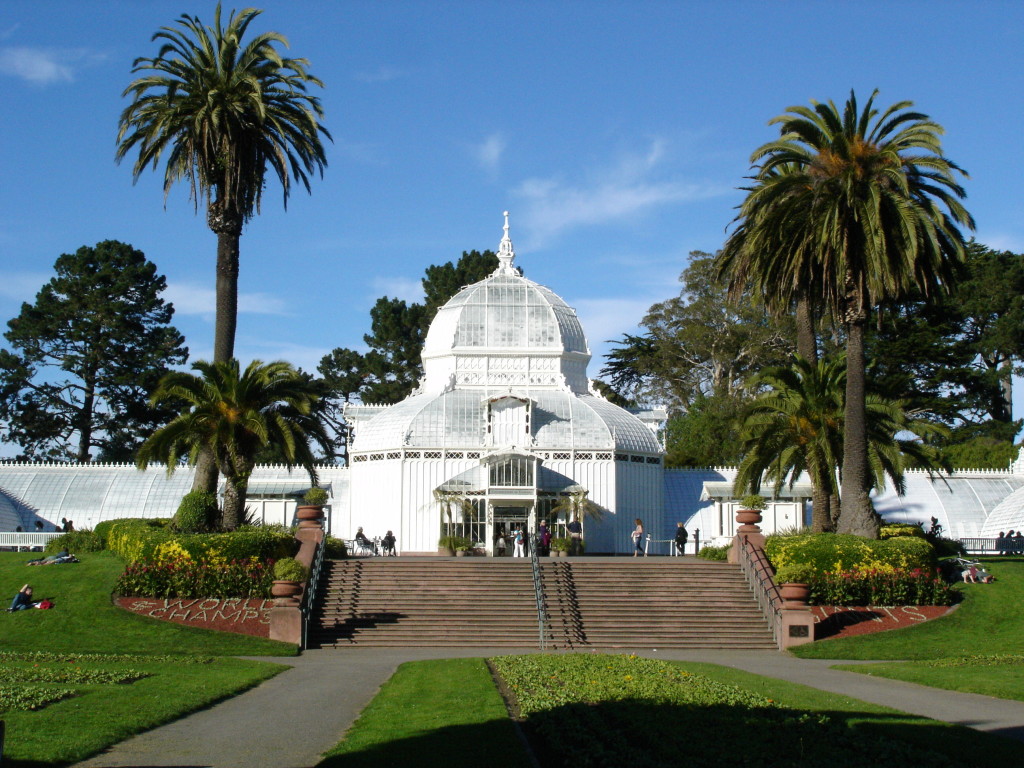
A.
x: 796, y: 425
x: 578, y: 506
x: 860, y: 208
x: 222, y: 111
x: 233, y: 416
x: 793, y: 426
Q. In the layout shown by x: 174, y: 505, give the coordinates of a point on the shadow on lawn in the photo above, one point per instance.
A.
x: 645, y: 735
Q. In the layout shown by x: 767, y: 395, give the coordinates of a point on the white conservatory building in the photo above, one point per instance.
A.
x: 502, y: 431
x: 504, y: 419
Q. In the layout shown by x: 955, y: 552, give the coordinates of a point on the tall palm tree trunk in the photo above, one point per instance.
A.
x: 807, y: 347
x: 227, y: 225
x: 858, y: 516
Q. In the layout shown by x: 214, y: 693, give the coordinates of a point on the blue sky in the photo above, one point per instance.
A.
x: 616, y: 134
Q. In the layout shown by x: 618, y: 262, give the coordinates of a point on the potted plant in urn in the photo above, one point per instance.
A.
x: 559, y: 547
x: 794, y: 584
x: 289, y: 574
x: 749, y: 512
x: 312, y: 509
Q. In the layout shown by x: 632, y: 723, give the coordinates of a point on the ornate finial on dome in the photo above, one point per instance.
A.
x: 506, y: 253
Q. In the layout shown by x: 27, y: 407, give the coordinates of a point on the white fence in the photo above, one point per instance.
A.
x: 18, y: 540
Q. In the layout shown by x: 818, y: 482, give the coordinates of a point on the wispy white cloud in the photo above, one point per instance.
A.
x: 382, y: 74
x: 626, y: 190
x: 44, y: 66
x: 488, y: 153
x: 398, y: 288
x: 191, y: 299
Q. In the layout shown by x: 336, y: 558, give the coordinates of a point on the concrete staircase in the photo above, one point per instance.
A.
x: 596, y: 602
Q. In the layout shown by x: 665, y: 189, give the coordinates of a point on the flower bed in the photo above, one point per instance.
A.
x: 846, y: 621
x: 185, y: 577
x: 590, y: 710
x: 881, y: 586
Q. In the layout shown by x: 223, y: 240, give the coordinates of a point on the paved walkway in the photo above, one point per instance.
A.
x: 253, y: 729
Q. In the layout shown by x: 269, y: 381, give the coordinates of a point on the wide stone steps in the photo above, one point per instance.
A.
x: 591, y: 603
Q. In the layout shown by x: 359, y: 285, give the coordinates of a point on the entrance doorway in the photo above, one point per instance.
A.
x: 506, y: 521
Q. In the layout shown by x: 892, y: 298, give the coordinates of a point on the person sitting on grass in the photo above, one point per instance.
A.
x: 22, y: 600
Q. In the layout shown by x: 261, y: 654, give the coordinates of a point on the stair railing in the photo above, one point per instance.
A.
x: 758, y: 572
x: 312, y: 587
x: 538, y: 591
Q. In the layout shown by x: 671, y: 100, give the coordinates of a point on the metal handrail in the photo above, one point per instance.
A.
x: 309, y: 595
x: 758, y: 572
x: 538, y: 591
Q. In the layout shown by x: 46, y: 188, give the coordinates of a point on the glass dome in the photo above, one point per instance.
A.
x: 505, y: 330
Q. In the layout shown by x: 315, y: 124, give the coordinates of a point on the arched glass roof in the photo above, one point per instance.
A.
x: 1007, y: 516
x: 559, y: 419
x: 503, y: 312
x: 88, y: 494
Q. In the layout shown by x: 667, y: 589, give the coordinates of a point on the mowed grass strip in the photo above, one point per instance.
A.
x: 101, y: 714
x: 84, y: 619
x: 999, y: 676
x: 433, y: 714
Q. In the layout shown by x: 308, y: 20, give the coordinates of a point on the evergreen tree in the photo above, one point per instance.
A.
x: 85, y: 356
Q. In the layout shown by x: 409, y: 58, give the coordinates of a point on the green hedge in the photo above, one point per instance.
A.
x: 75, y: 542
x: 718, y: 554
x: 136, y: 540
x: 838, y: 553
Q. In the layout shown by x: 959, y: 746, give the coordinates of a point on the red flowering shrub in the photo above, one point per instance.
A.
x: 891, y: 586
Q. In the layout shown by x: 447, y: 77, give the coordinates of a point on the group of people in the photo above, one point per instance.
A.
x: 1010, y: 543
x: 518, y: 537
x: 640, y: 543
x: 387, y: 544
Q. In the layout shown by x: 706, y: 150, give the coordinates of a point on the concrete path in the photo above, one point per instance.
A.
x: 333, y: 686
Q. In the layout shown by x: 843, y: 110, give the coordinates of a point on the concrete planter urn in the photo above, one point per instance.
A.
x: 309, y: 515
x: 794, y: 595
x: 286, y: 589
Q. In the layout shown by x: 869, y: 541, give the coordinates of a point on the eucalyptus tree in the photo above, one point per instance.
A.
x: 220, y: 110
x: 233, y: 415
x: 869, y: 210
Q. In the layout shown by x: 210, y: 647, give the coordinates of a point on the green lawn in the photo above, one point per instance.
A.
x: 988, y: 622
x: 443, y: 714
x: 975, y: 649
x: 184, y: 669
x: 100, y: 714
x: 589, y: 709
x: 85, y: 620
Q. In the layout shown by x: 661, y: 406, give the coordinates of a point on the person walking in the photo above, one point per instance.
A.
x: 681, y: 537
x: 519, y: 549
x: 638, y: 538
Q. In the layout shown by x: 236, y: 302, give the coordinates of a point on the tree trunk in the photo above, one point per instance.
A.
x: 85, y: 421
x: 227, y: 225
x: 806, y: 341
x: 821, y: 514
x: 858, y: 516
